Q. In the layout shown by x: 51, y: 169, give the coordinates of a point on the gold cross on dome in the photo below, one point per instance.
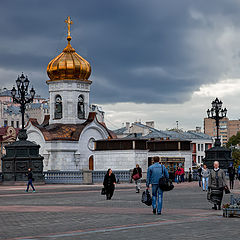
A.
x: 69, y: 22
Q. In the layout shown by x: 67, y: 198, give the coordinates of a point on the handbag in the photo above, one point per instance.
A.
x: 209, y: 195
x: 136, y: 176
x: 165, y: 183
x: 103, y: 192
x: 146, y: 198
x: 227, y: 191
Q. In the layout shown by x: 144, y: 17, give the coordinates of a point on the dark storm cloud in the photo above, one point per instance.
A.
x: 140, y: 51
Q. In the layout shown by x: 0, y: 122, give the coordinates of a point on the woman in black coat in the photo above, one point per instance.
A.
x: 109, y: 183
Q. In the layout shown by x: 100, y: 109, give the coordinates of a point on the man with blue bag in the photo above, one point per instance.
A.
x: 154, y: 174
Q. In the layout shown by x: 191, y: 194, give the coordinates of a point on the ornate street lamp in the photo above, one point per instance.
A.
x: 22, y: 154
x: 21, y: 95
x: 217, y: 113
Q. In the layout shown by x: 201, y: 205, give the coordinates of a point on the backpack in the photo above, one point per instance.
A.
x: 165, y: 183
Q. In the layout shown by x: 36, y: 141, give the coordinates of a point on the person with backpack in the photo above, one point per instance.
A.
x: 30, y: 180
x: 154, y: 174
x: 136, y: 176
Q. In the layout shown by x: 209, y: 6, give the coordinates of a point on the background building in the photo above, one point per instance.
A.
x: 227, y: 128
x: 199, y: 141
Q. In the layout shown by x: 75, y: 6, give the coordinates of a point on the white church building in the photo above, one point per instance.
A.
x: 67, y: 135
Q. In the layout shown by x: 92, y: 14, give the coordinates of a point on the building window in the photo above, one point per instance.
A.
x: 198, y: 147
x: 5, y: 123
x: 202, y: 147
x: 12, y: 123
x: 81, y: 110
x: 17, y: 124
x: 199, y: 159
x: 58, y: 107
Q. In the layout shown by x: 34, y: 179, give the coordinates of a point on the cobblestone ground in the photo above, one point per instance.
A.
x: 80, y: 212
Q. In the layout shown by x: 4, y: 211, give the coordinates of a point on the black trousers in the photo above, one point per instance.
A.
x: 109, y: 192
x: 231, y: 182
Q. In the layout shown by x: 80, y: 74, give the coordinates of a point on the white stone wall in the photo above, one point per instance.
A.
x: 92, y: 132
x: 120, y: 159
x: 68, y: 155
x: 69, y: 90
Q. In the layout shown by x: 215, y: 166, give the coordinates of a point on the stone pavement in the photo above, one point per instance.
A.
x: 80, y: 212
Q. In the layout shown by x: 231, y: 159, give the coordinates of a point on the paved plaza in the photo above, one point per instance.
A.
x: 80, y: 212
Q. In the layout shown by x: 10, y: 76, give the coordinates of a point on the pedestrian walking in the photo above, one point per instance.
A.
x: 30, y: 180
x: 136, y: 176
x: 154, y: 173
x: 178, y: 175
x: 231, y: 174
x: 205, y: 176
x: 199, y: 173
x: 216, y: 185
x: 190, y: 175
x: 109, y: 184
x: 238, y: 172
x: 182, y: 174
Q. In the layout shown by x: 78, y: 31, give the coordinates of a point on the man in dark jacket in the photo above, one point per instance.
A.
x: 30, y: 180
x: 155, y: 172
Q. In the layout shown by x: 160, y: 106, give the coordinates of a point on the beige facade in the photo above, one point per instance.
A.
x: 227, y: 128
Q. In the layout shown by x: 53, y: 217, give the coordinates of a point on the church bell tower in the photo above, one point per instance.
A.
x: 69, y: 86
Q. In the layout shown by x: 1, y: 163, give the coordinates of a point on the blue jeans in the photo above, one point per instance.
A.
x: 157, y: 196
x: 205, y: 183
x: 30, y: 184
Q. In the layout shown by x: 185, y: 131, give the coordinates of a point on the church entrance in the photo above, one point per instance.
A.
x: 91, y: 166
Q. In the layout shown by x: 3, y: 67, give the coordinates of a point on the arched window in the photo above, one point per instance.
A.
x: 58, y: 107
x: 81, y: 109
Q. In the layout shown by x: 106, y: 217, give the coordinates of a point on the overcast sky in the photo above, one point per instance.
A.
x: 161, y: 60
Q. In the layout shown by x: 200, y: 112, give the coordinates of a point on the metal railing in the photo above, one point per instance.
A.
x: 63, y: 177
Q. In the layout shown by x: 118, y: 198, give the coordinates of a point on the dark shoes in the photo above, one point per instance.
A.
x: 214, y: 207
x: 154, y: 211
x: 159, y: 213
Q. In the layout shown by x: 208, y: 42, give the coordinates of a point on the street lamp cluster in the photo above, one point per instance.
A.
x: 21, y: 94
x: 217, y: 113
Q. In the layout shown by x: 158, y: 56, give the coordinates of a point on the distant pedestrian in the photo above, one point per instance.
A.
x: 154, y: 173
x: 178, y: 175
x: 205, y: 176
x: 217, y: 184
x: 109, y: 184
x: 182, y: 174
x: 199, y: 173
x: 136, y: 176
x: 238, y: 172
x: 190, y: 175
x: 231, y: 174
x: 30, y: 180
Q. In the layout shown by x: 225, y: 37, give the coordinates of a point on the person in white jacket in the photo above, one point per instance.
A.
x: 205, y: 175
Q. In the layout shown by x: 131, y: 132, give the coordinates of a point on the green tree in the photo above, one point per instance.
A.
x: 232, y: 143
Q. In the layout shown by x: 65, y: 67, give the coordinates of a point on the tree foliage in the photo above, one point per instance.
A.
x: 233, y: 142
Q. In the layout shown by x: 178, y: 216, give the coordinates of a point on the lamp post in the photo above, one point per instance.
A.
x: 217, y: 113
x: 22, y: 96
x: 22, y: 154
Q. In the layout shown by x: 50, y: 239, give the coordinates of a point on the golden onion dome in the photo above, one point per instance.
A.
x: 69, y: 65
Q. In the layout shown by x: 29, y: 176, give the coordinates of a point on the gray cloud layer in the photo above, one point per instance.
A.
x: 141, y: 51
